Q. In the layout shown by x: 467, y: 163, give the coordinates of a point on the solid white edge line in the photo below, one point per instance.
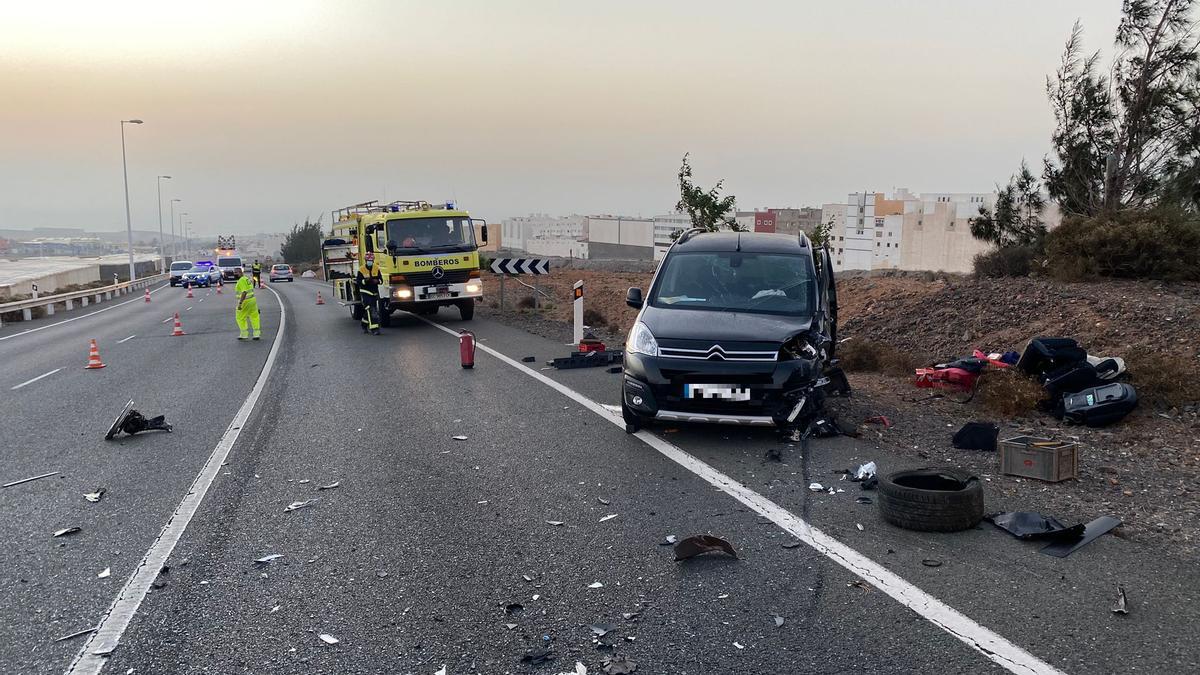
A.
x: 140, y: 298
x: 36, y: 379
x: 983, y: 640
x: 92, y: 656
x: 126, y: 339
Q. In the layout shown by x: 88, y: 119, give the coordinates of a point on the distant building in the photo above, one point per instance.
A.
x: 781, y: 220
x: 620, y: 238
x: 540, y: 234
x: 665, y: 227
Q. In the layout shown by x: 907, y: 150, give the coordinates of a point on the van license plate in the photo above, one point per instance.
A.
x: 724, y: 392
x: 438, y: 296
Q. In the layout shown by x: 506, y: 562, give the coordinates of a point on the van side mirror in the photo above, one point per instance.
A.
x: 391, y: 247
x: 483, y: 232
x: 633, y: 297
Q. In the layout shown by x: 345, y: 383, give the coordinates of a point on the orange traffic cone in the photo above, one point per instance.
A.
x: 178, y: 326
x: 320, y: 300
x: 190, y: 291
x: 219, y: 285
x: 147, y: 295
x: 94, y: 357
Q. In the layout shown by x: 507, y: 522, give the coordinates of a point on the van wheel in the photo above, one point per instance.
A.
x: 931, y: 500
x: 633, y: 421
x: 467, y: 309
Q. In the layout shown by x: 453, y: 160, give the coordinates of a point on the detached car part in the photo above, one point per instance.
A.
x: 131, y: 422
x: 931, y: 500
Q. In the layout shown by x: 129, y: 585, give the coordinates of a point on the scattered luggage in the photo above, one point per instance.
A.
x: 977, y: 436
x: 1099, y: 406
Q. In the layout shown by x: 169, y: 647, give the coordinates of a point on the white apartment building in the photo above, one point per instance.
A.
x: 930, y: 231
x: 540, y: 234
x: 666, y: 225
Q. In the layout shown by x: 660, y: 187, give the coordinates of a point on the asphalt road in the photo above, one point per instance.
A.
x: 435, y: 552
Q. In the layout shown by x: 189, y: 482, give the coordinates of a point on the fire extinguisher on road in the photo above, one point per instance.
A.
x: 466, y: 348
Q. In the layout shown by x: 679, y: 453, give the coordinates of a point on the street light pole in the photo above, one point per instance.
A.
x: 183, y: 233
x: 174, y: 239
x: 128, y: 219
x: 162, y: 258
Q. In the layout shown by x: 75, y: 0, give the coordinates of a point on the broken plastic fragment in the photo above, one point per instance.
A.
x: 96, y: 496
x: 31, y: 478
x: 526, y: 577
x: 602, y: 500
x: 595, y: 584
x: 701, y: 544
x: 1122, y: 604
x: 601, y: 629
x: 670, y: 540
x: 441, y: 671
x: 105, y: 573
x: 459, y: 438
x: 268, y: 558
x: 859, y: 526
x: 864, y: 471
x: 778, y: 621
x: 537, y: 656
x: 510, y: 626
x: 863, y: 500
x: 274, y: 609
x: 328, y: 639
x: 618, y: 665
x: 556, y: 523
x: 76, y: 634
x: 739, y: 645
x: 791, y: 544
x: 300, y: 505
x: 931, y: 562
x: 608, y: 517
x: 816, y: 487
x: 330, y: 486
x: 513, y: 608
x: 65, y: 531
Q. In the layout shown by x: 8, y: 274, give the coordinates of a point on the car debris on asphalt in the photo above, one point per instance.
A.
x: 537, y: 656
x: 1122, y: 604
x: 96, y: 496
x: 300, y: 505
x: 77, y: 634
x: 618, y: 665
x: 331, y: 486
x: 778, y: 621
x: 701, y: 544
x: 931, y: 562
x: 31, y: 478
x: 791, y: 544
x: 816, y: 487
x: 669, y: 541
x: 328, y: 639
x: 976, y: 436
x: 268, y: 558
x: 459, y: 438
x: 608, y: 517
x: 595, y: 584
x: 1028, y: 525
x: 555, y: 523
x: 132, y: 422
x: 1091, y: 531
x: 105, y: 573
x: 601, y: 629
x: 66, y: 531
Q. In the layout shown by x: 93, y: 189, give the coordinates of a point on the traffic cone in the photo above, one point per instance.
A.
x: 320, y: 300
x: 147, y: 295
x: 219, y: 285
x: 94, y: 357
x: 178, y: 327
x: 190, y: 291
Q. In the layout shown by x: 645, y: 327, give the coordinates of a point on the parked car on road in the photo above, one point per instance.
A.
x: 201, y: 275
x: 178, y: 268
x: 281, y: 273
x: 737, y: 328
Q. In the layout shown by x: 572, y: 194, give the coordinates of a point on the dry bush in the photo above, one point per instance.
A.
x: 1009, y: 393
x: 1161, y: 244
x: 1162, y: 380
x: 868, y: 356
x: 1010, y: 261
x: 592, y: 317
x: 526, y: 302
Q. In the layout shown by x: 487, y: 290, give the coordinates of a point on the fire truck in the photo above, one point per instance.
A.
x: 426, y: 254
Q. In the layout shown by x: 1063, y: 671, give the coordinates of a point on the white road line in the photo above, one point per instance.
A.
x: 85, y: 316
x: 92, y: 657
x: 187, y: 309
x: 167, y: 319
x: 983, y: 640
x: 126, y: 339
x: 36, y: 379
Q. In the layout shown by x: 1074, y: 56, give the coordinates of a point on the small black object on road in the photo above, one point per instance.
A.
x: 131, y: 422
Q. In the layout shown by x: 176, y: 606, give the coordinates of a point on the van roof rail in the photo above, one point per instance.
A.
x: 688, y: 234
x: 803, y: 240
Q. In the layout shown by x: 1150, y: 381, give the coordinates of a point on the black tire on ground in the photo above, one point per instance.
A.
x: 427, y: 311
x: 633, y: 421
x: 931, y: 500
x: 467, y: 309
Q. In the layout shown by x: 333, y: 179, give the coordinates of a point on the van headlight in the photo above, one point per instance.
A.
x: 641, y: 341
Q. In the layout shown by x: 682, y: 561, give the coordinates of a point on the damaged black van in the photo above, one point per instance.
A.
x: 737, y: 328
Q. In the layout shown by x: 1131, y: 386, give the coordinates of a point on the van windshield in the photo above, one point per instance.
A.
x: 181, y: 266
x: 728, y: 281
x: 229, y: 262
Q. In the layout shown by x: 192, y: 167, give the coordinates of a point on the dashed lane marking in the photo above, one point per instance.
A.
x: 36, y: 379
x: 85, y: 316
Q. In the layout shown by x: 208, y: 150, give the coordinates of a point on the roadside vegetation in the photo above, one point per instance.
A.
x: 303, y: 243
x: 1125, y: 169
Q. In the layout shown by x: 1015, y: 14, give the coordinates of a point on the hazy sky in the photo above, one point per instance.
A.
x: 267, y: 112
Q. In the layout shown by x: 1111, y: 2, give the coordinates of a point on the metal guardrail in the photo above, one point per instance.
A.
x: 95, y: 294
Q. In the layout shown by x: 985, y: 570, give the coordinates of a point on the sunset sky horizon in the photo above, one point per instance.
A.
x: 267, y: 113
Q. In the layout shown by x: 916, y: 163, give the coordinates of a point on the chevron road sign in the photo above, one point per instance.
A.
x: 520, y: 266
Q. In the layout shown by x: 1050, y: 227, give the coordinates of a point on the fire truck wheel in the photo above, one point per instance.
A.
x: 467, y: 309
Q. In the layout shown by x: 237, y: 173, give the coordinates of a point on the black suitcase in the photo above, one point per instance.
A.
x: 1045, y: 354
x: 1099, y: 406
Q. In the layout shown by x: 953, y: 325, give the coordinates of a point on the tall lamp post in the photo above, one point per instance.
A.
x: 183, y: 233
x: 174, y: 239
x: 128, y: 219
x: 162, y: 257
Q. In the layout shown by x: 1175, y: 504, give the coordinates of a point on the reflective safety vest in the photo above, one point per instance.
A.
x: 244, y: 285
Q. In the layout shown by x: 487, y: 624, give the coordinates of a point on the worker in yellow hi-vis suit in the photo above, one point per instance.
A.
x: 247, y: 306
